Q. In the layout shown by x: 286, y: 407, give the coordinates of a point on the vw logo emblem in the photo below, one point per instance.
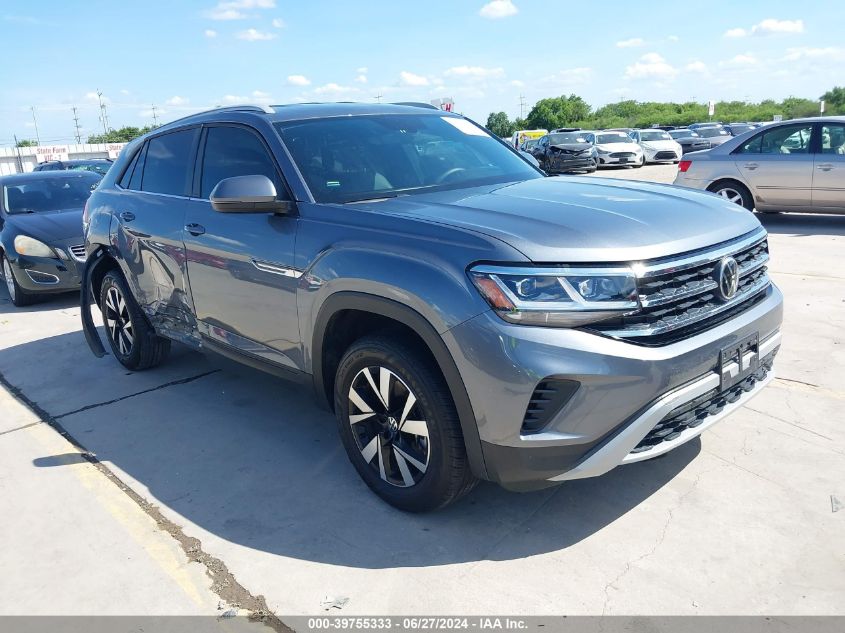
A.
x: 727, y: 276
x: 392, y: 423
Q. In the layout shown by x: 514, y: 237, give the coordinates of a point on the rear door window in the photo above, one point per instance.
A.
x: 168, y: 163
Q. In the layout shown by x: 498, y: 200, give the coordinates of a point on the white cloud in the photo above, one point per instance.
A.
x: 410, y: 79
x: 332, y: 89
x: 775, y: 27
x: 233, y: 9
x: 735, y: 33
x: 740, y: 61
x: 827, y: 54
x: 124, y: 92
x: 92, y: 97
x: 696, y: 67
x: 673, y: 38
x: 233, y: 99
x: 498, y: 9
x: 298, y: 80
x: 177, y: 101
x: 254, y: 35
x: 363, y: 70
x: 210, y: 33
x: 631, y: 43
x: 278, y: 23
x: 651, y: 66
x: 261, y: 97
x: 475, y: 72
x: 361, y: 79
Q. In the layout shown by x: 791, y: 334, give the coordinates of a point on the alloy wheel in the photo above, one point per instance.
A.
x: 118, y: 321
x: 10, y: 281
x: 388, y: 426
x: 732, y: 195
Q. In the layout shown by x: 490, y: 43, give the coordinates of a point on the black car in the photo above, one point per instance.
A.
x: 565, y: 152
x: 689, y: 140
x: 41, y: 240
x: 739, y: 128
x: 97, y: 165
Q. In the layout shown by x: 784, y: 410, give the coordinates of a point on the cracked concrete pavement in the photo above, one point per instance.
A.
x: 738, y: 522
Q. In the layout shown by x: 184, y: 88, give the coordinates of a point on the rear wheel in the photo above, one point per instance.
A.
x: 18, y: 296
x: 131, y: 338
x: 399, y: 425
x: 734, y: 192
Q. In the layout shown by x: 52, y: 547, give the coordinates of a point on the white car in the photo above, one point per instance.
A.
x: 615, y: 148
x: 658, y: 146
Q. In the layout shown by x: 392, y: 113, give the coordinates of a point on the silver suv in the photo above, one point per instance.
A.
x: 464, y: 316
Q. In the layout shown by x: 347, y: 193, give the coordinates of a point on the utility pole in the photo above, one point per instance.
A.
x: 104, y: 117
x: 76, y: 125
x: 378, y: 97
x: 155, y: 118
x: 35, y: 121
x: 521, y: 106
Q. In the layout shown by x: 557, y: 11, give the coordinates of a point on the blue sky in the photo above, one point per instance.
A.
x: 186, y: 55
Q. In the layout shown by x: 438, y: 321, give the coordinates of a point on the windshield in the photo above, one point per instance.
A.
x: 568, y: 137
x: 710, y: 132
x: 655, y: 135
x: 683, y: 134
x: 49, y: 194
x: 614, y: 137
x: 740, y: 129
x: 97, y: 167
x: 346, y: 159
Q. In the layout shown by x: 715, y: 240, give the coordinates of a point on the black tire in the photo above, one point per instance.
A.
x: 18, y: 295
x: 387, y: 458
x: 734, y: 192
x: 132, y: 339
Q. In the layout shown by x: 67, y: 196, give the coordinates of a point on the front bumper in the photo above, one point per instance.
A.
x: 44, y: 275
x: 607, y: 159
x: 661, y: 155
x: 575, y: 164
x: 624, y: 390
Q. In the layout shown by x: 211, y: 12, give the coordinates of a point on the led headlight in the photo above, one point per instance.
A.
x: 25, y: 245
x: 560, y: 296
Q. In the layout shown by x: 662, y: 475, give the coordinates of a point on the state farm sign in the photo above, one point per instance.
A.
x: 43, y: 153
x: 114, y: 149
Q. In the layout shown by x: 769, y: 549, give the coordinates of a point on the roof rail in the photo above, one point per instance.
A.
x: 417, y: 104
x: 248, y: 107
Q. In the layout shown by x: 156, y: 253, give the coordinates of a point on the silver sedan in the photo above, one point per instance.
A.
x: 796, y: 165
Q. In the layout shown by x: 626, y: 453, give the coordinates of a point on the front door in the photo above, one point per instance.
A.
x: 778, y: 166
x: 829, y: 172
x: 240, y: 265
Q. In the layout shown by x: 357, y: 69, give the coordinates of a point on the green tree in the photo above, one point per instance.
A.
x: 558, y: 112
x: 499, y: 124
x: 26, y: 142
x: 123, y: 135
x: 834, y: 100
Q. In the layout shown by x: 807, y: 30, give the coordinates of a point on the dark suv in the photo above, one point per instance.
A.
x: 464, y: 316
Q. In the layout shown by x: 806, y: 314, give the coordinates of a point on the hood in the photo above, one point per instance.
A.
x: 573, y: 148
x: 572, y: 219
x: 51, y: 226
x: 619, y: 147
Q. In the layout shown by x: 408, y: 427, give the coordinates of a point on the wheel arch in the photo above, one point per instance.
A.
x: 378, y: 314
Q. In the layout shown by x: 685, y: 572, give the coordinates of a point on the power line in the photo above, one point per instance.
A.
x: 76, y: 125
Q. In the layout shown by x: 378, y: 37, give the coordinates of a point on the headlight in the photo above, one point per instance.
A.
x: 25, y: 245
x: 602, y: 151
x: 558, y: 297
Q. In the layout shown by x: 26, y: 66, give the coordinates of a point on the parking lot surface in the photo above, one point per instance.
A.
x: 742, y: 521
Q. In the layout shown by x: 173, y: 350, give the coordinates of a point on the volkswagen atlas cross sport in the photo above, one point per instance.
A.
x: 464, y: 316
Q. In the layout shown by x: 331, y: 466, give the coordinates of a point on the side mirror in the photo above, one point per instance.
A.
x: 247, y: 194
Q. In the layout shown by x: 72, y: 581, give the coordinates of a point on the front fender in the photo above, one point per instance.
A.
x: 94, y: 261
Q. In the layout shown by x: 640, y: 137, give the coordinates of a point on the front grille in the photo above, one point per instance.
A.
x: 696, y: 412
x: 665, y: 156
x: 622, y: 155
x: 77, y: 252
x: 679, y: 295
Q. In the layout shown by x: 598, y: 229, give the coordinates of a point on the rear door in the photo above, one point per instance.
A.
x: 150, y: 214
x: 829, y: 172
x: 778, y: 166
x: 240, y: 265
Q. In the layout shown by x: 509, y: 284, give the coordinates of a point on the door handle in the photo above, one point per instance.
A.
x: 195, y: 229
x: 751, y: 166
x: 127, y: 216
x: 825, y: 166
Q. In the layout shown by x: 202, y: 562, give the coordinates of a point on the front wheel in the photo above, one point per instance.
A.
x: 734, y: 192
x: 399, y: 425
x: 16, y: 293
x: 131, y: 338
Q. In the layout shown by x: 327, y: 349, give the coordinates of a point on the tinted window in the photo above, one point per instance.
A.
x: 49, y: 194
x: 788, y: 139
x: 360, y: 157
x: 235, y: 151
x: 168, y: 163
x: 127, y: 175
x: 833, y: 139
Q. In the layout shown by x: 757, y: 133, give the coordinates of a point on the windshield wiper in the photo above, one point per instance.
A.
x: 374, y: 198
